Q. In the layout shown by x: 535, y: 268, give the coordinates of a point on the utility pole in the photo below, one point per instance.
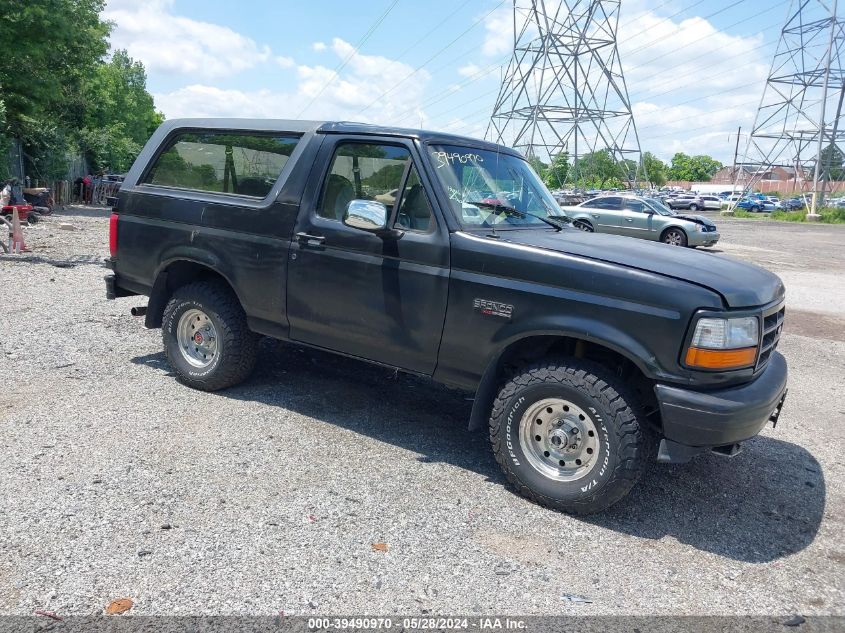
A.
x: 736, y: 151
x: 565, y: 83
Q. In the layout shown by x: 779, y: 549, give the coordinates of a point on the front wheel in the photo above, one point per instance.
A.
x: 206, y: 337
x: 566, y: 435
x: 583, y: 225
x: 674, y: 237
x: 693, y: 207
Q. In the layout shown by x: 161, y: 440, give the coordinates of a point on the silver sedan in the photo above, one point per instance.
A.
x: 644, y: 218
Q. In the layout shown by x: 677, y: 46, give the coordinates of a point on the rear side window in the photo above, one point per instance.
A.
x: 634, y: 205
x: 223, y: 162
x: 604, y: 203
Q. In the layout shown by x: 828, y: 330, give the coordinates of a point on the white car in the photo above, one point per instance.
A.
x: 711, y: 202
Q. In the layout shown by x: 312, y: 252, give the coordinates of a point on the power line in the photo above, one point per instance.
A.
x: 430, y: 59
x: 349, y: 57
x: 696, y: 41
x: 431, y: 30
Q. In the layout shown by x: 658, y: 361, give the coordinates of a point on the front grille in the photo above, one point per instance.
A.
x: 772, y: 328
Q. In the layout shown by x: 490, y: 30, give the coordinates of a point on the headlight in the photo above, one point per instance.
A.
x: 699, y: 227
x: 724, y: 343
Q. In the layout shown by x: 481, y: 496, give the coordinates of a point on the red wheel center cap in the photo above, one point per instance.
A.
x: 198, y: 338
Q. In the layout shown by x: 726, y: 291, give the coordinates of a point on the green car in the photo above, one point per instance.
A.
x: 645, y: 218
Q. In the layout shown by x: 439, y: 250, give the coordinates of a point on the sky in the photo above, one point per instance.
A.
x: 695, y: 69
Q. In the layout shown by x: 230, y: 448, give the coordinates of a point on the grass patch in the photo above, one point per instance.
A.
x: 789, y: 216
x: 833, y: 216
x: 828, y: 215
x: 742, y: 213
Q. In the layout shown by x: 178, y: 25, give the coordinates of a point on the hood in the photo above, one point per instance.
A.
x: 740, y: 284
x: 698, y: 219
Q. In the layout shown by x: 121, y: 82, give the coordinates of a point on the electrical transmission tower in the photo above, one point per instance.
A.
x: 563, y: 92
x: 797, y: 124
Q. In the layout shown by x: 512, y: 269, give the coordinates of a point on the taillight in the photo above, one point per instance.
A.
x: 113, y: 234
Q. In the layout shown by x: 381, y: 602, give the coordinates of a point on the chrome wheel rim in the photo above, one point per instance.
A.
x: 559, y: 439
x: 673, y: 238
x: 197, y: 338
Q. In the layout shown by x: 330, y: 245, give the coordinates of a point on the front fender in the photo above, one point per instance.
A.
x: 510, y: 337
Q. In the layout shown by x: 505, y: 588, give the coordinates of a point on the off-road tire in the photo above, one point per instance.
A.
x: 616, y: 413
x: 238, y: 345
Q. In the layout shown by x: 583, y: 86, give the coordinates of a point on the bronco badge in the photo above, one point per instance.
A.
x: 493, y: 308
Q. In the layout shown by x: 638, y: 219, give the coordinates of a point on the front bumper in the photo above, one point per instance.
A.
x: 699, y: 238
x: 700, y: 420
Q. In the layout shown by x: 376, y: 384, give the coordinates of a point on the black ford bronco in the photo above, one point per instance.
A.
x: 447, y: 257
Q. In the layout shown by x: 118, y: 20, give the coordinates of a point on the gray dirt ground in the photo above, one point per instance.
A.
x: 117, y: 481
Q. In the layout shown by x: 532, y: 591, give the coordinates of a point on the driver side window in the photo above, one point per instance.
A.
x: 362, y: 171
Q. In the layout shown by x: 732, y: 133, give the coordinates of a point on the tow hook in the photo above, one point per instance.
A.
x: 139, y: 311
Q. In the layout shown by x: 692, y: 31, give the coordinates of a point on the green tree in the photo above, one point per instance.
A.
x: 558, y: 171
x: 599, y: 169
x: 61, y: 97
x: 693, y: 168
x: 655, y: 169
x: 538, y: 166
x: 120, y: 115
x: 49, y: 48
x: 832, y: 163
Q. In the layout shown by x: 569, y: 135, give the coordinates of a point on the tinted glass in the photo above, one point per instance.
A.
x: 223, y: 162
x: 414, y: 210
x: 363, y: 171
x: 633, y: 205
x: 604, y: 203
x: 486, y: 188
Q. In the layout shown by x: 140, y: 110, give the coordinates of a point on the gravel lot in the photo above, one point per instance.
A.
x: 117, y: 481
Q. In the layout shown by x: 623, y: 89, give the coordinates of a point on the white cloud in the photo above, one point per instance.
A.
x: 173, y: 44
x: 469, y: 70
x: 285, y: 62
x: 319, y: 46
x: 498, y: 36
x: 363, y: 83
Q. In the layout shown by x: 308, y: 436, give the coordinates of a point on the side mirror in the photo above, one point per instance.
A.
x: 366, y: 215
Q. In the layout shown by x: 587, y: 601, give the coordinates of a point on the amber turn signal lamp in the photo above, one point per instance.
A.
x: 721, y: 358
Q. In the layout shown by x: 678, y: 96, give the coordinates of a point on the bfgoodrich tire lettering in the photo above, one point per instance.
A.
x: 589, y: 388
x: 236, y: 347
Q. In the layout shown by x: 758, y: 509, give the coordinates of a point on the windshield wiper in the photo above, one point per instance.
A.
x: 517, y: 213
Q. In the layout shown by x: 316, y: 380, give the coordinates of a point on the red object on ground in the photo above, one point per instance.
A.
x: 23, y: 211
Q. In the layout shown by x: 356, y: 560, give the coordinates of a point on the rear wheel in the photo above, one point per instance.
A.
x: 566, y: 434
x: 583, y: 225
x: 674, y: 237
x: 693, y: 207
x: 206, y: 337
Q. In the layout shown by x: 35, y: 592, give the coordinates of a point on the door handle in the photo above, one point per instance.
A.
x: 629, y: 219
x: 595, y: 215
x: 310, y: 240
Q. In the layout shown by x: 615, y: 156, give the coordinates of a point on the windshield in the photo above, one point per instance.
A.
x: 488, y: 189
x: 658, y: 206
